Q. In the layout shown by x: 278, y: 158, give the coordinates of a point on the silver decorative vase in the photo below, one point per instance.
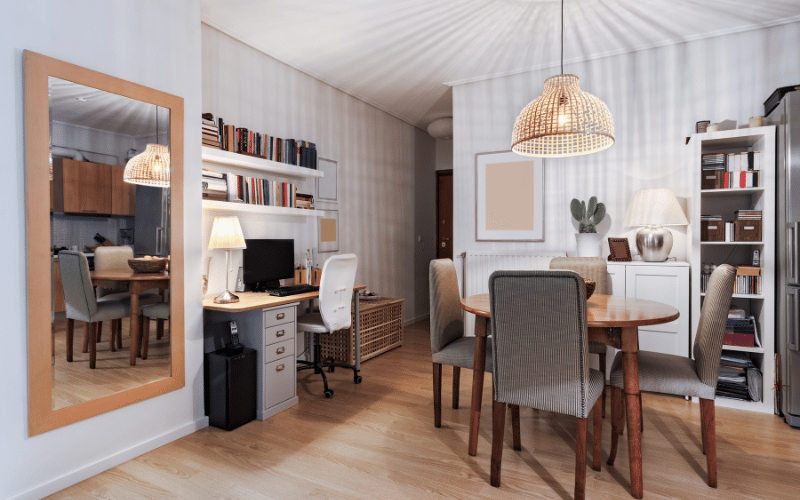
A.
x: 654, y: 243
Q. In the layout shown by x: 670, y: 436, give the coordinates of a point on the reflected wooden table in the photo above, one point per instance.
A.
x: 611, y: 320
x: 137, y: 283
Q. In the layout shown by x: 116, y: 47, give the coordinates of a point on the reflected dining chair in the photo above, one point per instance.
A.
x: 449, y: 346
x: 335, y: 312
x: 539, y: 345
x: 682, y: 376
x: 593, y: 268
x: 158, y: 312
x: 81, y: 302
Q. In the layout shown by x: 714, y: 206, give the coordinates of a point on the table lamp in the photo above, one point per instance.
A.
x: 226, y: 233
x: 653, y: 209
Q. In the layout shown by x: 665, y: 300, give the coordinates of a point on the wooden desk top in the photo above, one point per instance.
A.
x: 603, y: 311
x: 127, y: 275
x: 249, y: 301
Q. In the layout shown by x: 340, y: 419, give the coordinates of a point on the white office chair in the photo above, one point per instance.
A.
x: 335, y: 311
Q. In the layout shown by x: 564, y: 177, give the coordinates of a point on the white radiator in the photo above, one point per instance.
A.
x: 478, y: 266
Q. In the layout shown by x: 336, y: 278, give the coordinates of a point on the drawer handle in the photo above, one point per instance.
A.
x: 280, y: 350
x: 280, y: 333
x: 749, y: 228
x: 280, y: 367
x: 280, y: 316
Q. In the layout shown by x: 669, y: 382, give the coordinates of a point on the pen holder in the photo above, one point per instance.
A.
x: 299, y: 276
x: 316, y: 276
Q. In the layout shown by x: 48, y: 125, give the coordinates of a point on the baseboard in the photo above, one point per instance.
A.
x: 415, y: 320
x: 106, y: 463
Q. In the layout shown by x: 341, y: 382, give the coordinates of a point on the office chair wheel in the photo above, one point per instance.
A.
x: 328, y: 393
x: 357, y: 379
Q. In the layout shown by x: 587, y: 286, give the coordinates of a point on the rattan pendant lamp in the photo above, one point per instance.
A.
x: 151, y: 167
x: 564, y: 120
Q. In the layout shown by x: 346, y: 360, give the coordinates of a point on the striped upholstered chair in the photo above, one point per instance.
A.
x: 449, y: 346
x: 539, y: 341
x: 681, y: 376
x: 593, y: 268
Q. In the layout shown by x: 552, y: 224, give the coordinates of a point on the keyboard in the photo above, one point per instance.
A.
x: 285, y: 291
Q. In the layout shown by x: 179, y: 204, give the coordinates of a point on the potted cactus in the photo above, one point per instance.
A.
x: 588, y: 217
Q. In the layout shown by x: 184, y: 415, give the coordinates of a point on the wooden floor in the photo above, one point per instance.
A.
x: 377, y: 440
x: 74, y: 382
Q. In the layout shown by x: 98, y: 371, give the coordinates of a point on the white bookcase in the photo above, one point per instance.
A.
x: 725, y: 202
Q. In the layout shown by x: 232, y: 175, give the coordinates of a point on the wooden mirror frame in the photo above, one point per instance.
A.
x: 37, y: 69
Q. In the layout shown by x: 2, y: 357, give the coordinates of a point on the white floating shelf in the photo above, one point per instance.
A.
x: 759, y: 350
x: 742, y: 296
x: 227, y: 206
x: 731, y: 192
x: 213, y: 155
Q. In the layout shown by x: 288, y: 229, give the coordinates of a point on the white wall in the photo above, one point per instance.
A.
x: 655, y: 96
x: 108, y: 37
x: 376, y: 154
x: 444, y: 154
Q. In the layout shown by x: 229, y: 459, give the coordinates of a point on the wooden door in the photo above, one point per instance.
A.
x: 81, y: 186
x: 123, y: 194
x: 444, y: 214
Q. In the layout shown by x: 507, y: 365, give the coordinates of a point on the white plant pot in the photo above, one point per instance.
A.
x: 588, y: 244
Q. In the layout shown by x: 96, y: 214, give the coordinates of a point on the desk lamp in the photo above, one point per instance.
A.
x: 653, y: 209
x: 226, y: 233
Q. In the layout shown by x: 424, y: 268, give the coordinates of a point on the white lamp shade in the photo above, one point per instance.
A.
x: 654, y: 207
x: 149, y: 168
x: 226, y: 233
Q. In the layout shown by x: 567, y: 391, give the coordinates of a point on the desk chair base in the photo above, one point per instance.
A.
x: 318, y: 366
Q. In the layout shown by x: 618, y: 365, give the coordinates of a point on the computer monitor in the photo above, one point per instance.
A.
x: 266, y: 262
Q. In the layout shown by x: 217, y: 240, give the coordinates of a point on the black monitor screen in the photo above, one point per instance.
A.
x: 268, y: 261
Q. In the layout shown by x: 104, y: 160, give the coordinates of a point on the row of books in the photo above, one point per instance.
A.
x: 215, y: 186
x: 256, y: 191
x: 734, y: 170
x: 210, y: 131
x: 748, y: 279
x: 739, y: 378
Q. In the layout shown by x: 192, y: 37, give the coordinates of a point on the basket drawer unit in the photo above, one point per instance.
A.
x: 279, y: 382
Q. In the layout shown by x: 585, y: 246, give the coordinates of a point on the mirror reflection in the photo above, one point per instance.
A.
x: 98, y: 223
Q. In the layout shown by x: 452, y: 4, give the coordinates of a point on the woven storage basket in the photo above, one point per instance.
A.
x: 381, y: 330
x: 147, y: 265
x: 590, y: 286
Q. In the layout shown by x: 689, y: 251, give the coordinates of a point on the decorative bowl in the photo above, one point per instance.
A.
x: 151, y: 265
x: 590, y: 286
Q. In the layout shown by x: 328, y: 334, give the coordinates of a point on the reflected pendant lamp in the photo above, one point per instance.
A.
x: 151, y: 167
x: 564, y: 120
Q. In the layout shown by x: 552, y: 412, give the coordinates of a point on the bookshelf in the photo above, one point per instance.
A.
x: 725, y: 202
x: 230, y: 159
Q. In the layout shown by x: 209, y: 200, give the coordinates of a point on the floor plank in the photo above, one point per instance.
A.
x: 377, y: 439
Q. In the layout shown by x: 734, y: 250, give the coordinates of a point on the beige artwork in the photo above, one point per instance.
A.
x: 509, y: 196
x: 327, y: 230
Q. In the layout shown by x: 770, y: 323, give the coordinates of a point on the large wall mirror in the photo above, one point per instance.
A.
x: 100, y: 335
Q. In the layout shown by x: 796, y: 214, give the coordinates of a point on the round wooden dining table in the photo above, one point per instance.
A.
x: 611, y: 320
x: 137, y: 283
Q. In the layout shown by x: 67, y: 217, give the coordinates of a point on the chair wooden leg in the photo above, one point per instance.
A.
x: 703, y: 426
x: 141, y: 333
x: 498, y: 432
x: 91, y: 328
x: 603, y: 369
x: 597, y: 434
x: 70, y: 337
x: 580, y: 459
x: 112, y: 346
x: 437, y: 394
x: 159, y: 329
x: 616, y: 421
x: 641, y: 422
x: 709, y: 424
x: 119, y: 334
x: 85, y: 338
x: 515, y: 427
x: 456, y: 385
x: 99, y: 331
x: 145, y: 336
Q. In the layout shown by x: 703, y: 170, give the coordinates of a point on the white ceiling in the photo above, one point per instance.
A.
x: 397, y: 54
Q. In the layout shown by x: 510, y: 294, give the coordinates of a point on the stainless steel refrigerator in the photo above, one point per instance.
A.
x: 151, y: 222
x: 786, y: 116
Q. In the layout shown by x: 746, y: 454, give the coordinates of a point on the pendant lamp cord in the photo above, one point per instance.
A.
x: 562, y: 37
x: 562, y: 70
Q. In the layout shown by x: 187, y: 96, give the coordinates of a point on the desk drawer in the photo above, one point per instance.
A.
x: 279, y: 381
x: 278, y: 350
x: 279, y: 316
x: 279, y: 333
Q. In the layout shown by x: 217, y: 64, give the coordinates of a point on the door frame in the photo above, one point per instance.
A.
x: 439, y: 175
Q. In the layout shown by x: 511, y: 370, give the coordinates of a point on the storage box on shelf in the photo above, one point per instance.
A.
x: 381, y: 330
x: 730, y: 205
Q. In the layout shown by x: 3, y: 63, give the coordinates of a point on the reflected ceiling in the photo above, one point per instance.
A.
x: 397, y: 54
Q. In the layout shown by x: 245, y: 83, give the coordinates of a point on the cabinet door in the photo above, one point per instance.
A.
x: 668, y: 285
x: 123, y: 194
x: 616, y: 279
x: 83, y: 187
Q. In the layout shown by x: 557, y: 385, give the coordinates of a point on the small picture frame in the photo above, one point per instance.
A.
x: 620, y: 251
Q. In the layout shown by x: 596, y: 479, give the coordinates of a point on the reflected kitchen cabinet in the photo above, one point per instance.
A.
x: 123, y: 194
x: 81, y: 187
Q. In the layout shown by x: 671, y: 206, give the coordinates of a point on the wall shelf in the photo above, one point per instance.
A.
x: 227, y: 206
x: 228, y: 158
x: 731, y: 192
x: 742, y: 349
x: 742, y: 296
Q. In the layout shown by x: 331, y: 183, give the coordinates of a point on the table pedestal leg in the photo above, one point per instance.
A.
x: 478, y: 368
x: 630, y: 370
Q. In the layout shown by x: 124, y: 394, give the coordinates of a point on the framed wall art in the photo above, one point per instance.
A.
x: 510, y: 197
x: 329, y: 232
x: 327, y: 187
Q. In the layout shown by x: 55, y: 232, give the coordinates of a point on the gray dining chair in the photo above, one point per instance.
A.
x: 449, y: 346
x: 593, y: 268
x: 81, y: 302
x: 158, y: 312
x: 539, y: 341
x: 682, y: 376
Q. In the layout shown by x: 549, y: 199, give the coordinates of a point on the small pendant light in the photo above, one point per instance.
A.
x: 151, y: 167
x: 564, y: 120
